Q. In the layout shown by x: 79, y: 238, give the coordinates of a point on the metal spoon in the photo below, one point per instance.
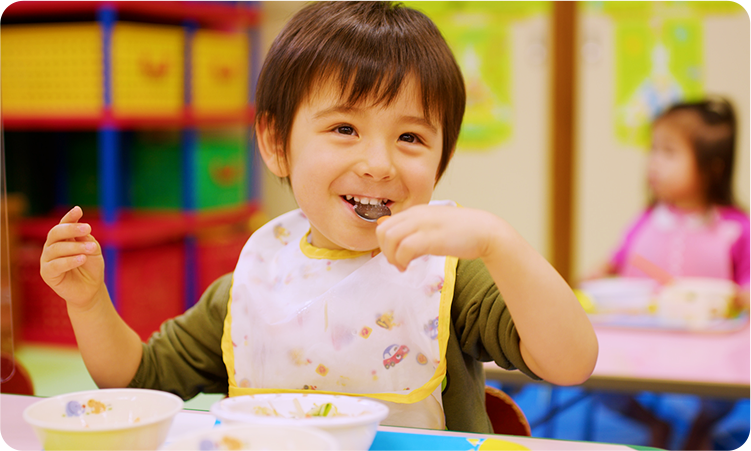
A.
x: 371, y: 213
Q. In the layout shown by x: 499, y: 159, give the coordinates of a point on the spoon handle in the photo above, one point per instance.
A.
x: 651, y: 269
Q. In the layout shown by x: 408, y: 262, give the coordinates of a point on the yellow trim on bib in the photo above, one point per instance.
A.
x: 228, y: 352
x: 320, y: 253
x: 416, y: 395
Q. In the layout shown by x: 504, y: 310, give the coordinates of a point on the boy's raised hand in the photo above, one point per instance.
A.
x: 435, y: 230
x: 557, y: 341
x: 72, y: 262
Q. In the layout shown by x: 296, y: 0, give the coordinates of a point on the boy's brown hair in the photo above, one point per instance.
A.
x: 369, y: 48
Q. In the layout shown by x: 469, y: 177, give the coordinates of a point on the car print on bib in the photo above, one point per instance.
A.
x: 394, y: 354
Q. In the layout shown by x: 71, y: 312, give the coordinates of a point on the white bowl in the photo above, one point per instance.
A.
x: 621, y: 294
x: 256, y: 437
x: 126, y: 418
x: 353, y: 421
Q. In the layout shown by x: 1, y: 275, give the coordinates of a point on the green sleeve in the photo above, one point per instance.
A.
x: 482, y: 323
x: 185, y: 357
x: 481, y: 329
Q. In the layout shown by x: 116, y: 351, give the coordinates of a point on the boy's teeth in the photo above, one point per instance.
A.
x: 364, y: 200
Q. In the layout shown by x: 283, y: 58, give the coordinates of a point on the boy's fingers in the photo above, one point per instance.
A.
x: 68, y: 231
x: 59, y: 266
x: 73, y: 215
x: 410, y: 248
x: 63, y: 249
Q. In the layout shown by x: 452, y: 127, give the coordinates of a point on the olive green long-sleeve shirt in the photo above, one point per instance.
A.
x: 185, y: 356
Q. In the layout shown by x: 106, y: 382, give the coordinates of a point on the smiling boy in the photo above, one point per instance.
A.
x: 339, y: 153
x: 356, y: 103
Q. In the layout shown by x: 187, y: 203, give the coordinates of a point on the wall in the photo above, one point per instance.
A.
x: 607, y: 175
x: 512, y: 180
x: 727, y: 54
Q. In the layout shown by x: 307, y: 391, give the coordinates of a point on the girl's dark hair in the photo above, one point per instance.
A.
x: 369, y: 48
x: 713, y: 140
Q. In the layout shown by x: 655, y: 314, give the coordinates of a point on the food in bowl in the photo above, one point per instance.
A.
x: 117, y: 419
x: 696, y: 301
x: 353, y: 421
x: 256, y: 437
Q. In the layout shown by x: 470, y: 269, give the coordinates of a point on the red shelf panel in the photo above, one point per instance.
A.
x: 239, y: 14
x: 138, y: 229
x: 217, y: 217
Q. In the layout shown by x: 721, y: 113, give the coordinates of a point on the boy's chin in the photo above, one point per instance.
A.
x: 362, y: 246
x: 359, y: 244
x: 355, y: 242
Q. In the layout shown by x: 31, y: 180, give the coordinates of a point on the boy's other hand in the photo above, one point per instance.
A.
x: 72, y: 262
x: 435, y: 230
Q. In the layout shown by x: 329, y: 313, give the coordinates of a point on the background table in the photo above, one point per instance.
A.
x: 19, y: 435
x: 631, y: 360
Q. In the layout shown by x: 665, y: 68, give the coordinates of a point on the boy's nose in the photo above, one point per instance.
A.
x: 377, y: 163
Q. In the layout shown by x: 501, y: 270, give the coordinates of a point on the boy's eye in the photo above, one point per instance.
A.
x: 345, y: 130
x: 408, y: 137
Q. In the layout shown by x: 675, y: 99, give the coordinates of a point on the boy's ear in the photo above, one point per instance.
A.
x: 270, y: 149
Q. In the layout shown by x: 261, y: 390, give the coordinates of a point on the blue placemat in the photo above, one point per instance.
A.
x: 388, y: 440
x: 403, y: 441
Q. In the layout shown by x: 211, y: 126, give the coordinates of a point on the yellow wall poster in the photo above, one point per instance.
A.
x: 655, y: 68
x: 479, y: 36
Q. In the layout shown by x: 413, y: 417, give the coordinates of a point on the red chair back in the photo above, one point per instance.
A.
x: 19, y: 382
x: 505, y: 415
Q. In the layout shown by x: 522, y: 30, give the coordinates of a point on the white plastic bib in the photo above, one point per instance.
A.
x: 303, y: 318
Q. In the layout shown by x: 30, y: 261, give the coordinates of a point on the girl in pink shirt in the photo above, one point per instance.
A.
x: 691, y: 228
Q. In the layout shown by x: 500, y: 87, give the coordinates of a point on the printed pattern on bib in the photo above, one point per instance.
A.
x: 351, y: 324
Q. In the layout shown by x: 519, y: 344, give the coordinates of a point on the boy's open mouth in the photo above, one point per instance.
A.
x: 354, y: 200
x: 369, y: 209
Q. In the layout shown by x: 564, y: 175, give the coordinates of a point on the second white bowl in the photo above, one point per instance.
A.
x: 353, y: 421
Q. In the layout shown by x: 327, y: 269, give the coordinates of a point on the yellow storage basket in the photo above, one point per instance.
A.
x: 147, y: 70
x: 220, y: 72
x: 51, y: 70
x: 57, y: 70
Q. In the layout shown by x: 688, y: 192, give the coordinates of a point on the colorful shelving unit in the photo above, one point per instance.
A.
x: 165, y: 92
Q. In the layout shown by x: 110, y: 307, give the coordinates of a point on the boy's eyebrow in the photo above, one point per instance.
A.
x: 417, y: 120
x: 333, y: 110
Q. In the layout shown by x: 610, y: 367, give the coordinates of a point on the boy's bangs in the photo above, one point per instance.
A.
x: 375, y: 77
x: 368, y: 50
